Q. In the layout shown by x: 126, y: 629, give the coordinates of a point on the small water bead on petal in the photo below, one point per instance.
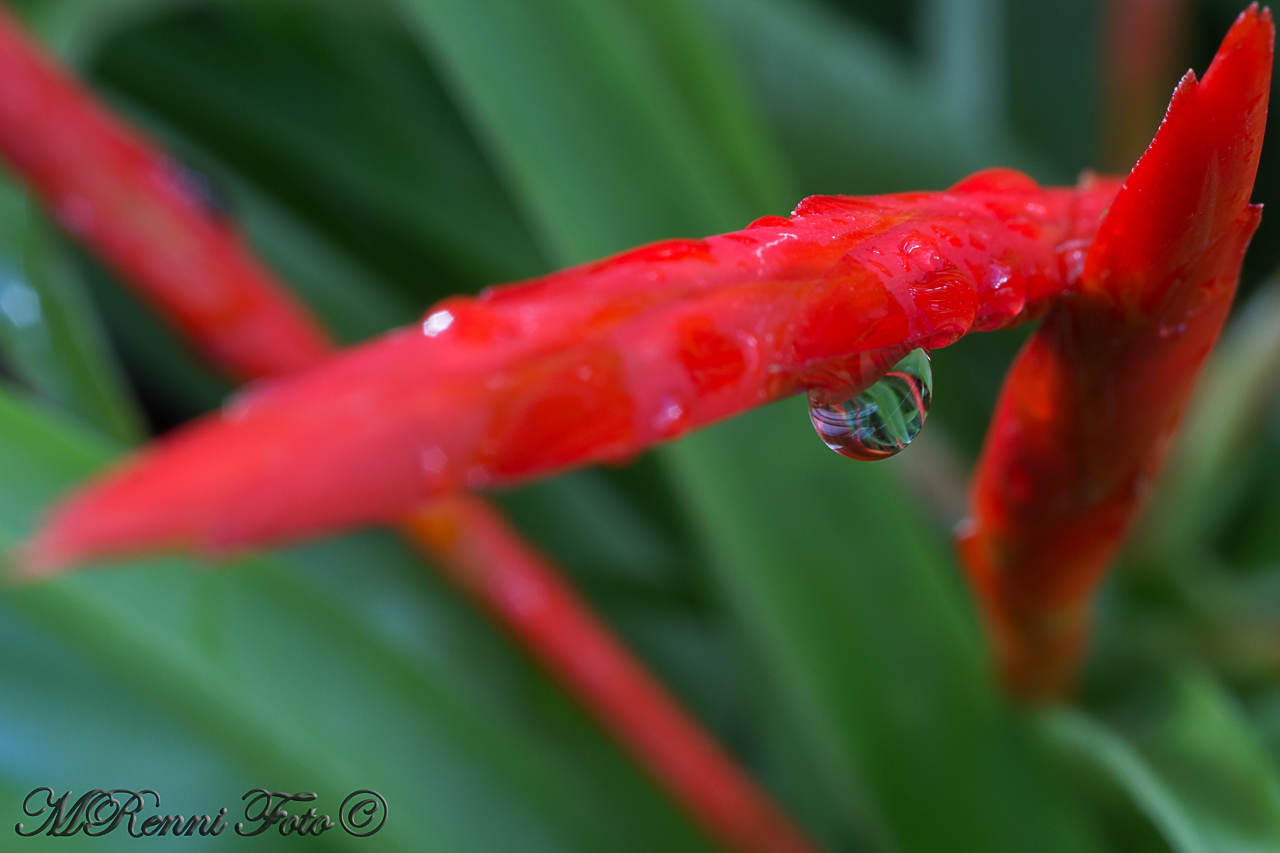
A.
x: 671, y: 417
x: 437, y: 323
x: 770, y: 222
x: 1003, y: 298
x: 919, y: 252
x: 1071, y: 257
x: 882, y: 420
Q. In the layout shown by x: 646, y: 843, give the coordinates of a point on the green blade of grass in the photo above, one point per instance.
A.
x: 586, y: 127
x: 50, y: 336
x: 1218, y: 443
x: 852, y: 113
x: 1194, y: 769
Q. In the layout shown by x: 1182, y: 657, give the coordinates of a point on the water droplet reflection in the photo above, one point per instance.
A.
x: 437, y: 323
x: 881, y: 420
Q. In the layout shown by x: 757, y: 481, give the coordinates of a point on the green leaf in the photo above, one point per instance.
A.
x: 852, y: 112
x: 49, y: 333
x: 1195, y: 769
x: 351, y: 300
x: 864, y: 634
x: 1218, y: 443
x: 584, y: 123
x: 330, y: 109
x: 339, y: 666
x: 1053, y: 83
x: 168, y: 373
x: 74, y: 28
x: 701, y: 70
x: 964, y: 61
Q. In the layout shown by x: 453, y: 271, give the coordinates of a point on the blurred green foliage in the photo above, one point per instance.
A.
x: 384, y: 154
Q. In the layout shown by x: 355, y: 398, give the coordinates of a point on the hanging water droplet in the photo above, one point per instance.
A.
x: 881, y: 420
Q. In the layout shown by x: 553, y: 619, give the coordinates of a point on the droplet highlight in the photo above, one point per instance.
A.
x: 882, y: 420
x: 436, y: 323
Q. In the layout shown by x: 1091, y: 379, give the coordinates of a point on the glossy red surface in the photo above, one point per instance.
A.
x: 595, y: 363
x: 1092, y: 403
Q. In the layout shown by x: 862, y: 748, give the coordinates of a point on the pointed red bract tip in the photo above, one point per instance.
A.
x: 1090, y: 406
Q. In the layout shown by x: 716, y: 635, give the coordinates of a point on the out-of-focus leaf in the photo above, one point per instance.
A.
x: 301, y: 683
x: 961, y: 44
x: 61, y: 712
x: 1195, y: 769
x: 1117, y: 758
x: 1052, y: 52
x: 331, y: 109
x: 74, y: 28
x: 49, y: 333
x: 701, y: 69
x: 591, y: 524
x: 786, y: 763
x: 584, y: 123
x: 351, y: 300
x: 1203, y: 481
x: 852, y: 112
x: 845, y: 594
x: 172, y: 380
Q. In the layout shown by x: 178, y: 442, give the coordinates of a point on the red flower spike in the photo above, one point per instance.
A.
x: 594, y: 363
x: 1090, y: 407
x: 135, y: 208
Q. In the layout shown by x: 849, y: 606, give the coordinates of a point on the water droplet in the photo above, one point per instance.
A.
x: 770, y: 222
x: 881, y: 420
x: 437, y: 323
x: 670, y: 417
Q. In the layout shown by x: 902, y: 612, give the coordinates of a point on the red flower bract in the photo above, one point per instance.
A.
x: 1091, y: 405
x: 594, y: 363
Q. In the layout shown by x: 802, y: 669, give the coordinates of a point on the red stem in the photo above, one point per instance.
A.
x: 125, y: 200
x: 131, y: 204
